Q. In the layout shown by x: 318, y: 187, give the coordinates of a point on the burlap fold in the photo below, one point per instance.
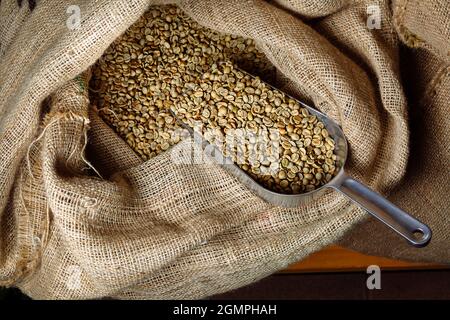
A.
x: 83, y: 217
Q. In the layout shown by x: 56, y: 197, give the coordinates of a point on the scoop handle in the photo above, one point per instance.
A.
x: 414, y: 231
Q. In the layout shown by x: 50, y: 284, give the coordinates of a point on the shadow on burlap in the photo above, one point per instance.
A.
x: 84, y: 217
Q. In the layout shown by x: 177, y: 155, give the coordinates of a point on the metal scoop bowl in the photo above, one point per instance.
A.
x: 414, y: 231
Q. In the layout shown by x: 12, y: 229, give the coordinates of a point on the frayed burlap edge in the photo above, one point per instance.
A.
x: 409, y: 38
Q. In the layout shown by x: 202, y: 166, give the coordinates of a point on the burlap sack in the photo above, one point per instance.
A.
x: 425, y: 189
x: 82, y: 216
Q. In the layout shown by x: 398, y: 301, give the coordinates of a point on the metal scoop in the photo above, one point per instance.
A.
x: 414, y: 231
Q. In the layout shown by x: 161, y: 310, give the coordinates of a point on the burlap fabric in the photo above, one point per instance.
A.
x: 425, y: 189
x: 83, y: 217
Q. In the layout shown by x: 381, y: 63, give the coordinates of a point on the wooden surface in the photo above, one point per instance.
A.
x: 339, y: 259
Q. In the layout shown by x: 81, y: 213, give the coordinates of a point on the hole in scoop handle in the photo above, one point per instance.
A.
x: 417, y: 233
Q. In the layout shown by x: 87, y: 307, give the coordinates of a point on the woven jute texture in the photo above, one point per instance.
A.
x: 425, y: 188
x: 83, y: 217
